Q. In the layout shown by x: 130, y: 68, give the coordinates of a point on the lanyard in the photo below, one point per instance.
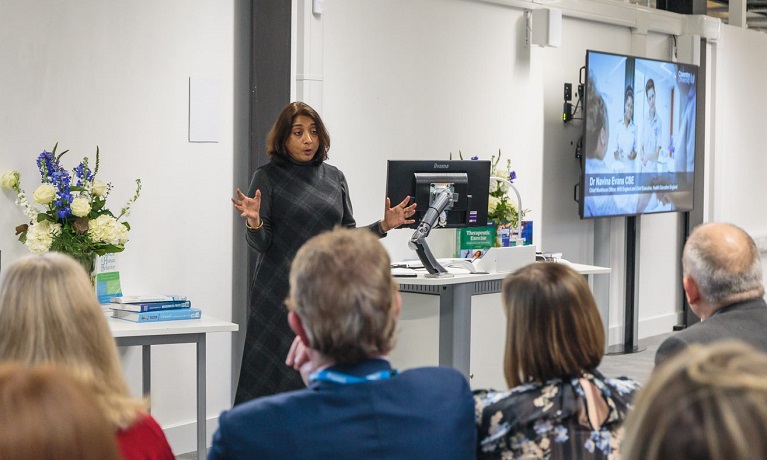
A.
x: 327, y: 375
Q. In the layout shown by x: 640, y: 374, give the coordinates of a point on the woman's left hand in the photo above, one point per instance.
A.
x: 398, y: 215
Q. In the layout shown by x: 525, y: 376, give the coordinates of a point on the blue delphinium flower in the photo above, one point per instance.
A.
x: 512, y: 176
x: 60, y: 179
x: 47, y: 165
x: 83, y: 173
x: 475, y: 158
x: 52, y: 173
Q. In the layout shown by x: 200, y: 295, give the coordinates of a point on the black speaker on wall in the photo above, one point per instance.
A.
x: 683, y: 6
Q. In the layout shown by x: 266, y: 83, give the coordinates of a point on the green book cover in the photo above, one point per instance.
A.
x: 106, y: 278
x: 473, y: 242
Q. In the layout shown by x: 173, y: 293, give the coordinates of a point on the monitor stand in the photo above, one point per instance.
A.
x: 418, y: 240
x: 631, y: 313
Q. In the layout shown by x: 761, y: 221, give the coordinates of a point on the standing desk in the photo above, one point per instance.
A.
x: 455, y: 295
x: 130, y: 334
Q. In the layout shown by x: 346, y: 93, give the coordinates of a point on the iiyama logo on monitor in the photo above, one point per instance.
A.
x: 441, y: 166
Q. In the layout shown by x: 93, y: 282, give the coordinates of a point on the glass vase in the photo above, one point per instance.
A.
x: 88, y: 261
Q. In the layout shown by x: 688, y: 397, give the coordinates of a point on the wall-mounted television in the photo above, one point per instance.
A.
x: 469, y: 180
x: 638, y: 145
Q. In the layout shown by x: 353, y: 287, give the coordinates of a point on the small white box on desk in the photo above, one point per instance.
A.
x: 506, y: 260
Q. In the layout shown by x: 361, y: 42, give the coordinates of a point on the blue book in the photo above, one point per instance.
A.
x: 160, y: 315
x: 150, y: 306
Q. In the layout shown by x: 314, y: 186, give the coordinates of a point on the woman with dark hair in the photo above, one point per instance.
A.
x: 558, y: 405
x: 294, y: 197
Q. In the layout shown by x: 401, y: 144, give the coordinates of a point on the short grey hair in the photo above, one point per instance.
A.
x: 719, y: 272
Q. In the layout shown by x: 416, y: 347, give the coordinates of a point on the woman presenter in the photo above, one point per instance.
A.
x: 291, y: 199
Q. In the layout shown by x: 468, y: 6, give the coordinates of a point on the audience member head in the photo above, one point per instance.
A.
x: 50, y: 314
x: 46, y: 413
x: 721, y: 265
x: 342, y: 296
x: 709, y: 402
x: 597, y: 129
x: 283, y: 127
x: 553, y: 327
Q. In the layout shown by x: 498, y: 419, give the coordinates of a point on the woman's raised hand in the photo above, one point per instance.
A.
x: 398, y: 215
x: 249, y: 207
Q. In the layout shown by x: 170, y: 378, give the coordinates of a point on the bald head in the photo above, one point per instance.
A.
x: 724, y: 262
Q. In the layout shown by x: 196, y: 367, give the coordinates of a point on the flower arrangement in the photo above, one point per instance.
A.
x: 500, y: 209
x: 74, y: 218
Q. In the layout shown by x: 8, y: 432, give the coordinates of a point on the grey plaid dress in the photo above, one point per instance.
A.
x: 298, y: 201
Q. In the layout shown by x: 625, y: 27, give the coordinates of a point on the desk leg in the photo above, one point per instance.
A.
x: 146, y: 369
x: 455, y: 327
x: 201, y: 399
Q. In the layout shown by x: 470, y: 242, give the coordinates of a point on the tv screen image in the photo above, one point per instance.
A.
x: 638, y: 146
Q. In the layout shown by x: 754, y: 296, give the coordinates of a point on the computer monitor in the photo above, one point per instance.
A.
x: 422, y: 180
x: 448, y: 194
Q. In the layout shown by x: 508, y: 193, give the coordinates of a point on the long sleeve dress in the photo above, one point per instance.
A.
x: 298, y: 201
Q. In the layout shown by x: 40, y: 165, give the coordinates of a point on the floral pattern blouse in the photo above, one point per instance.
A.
x: 546, y: 420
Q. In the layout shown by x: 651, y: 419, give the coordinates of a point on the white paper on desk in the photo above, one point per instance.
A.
x: 404, y: 271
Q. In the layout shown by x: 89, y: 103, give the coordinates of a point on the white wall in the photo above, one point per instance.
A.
x: 115, y: 74
x: 737, y: 164
x: 739, y: 160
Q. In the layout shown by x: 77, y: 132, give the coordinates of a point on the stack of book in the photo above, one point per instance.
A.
x: 150, y: 308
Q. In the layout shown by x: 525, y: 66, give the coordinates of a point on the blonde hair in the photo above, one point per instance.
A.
x: 342, y: 289
x: 709, y: 402
x: 553, y: 327
x: 50, y: 314
x: 47, y: 413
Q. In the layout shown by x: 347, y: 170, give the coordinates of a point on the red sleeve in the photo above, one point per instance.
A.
x: 144, y: 440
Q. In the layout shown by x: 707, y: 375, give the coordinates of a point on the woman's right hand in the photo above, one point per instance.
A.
x: 249, y: 207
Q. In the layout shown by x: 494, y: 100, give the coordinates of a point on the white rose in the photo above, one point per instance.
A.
x: 9, y: 179
x: 44, y: 194
x: 80, y: 207
x: 98, y: 188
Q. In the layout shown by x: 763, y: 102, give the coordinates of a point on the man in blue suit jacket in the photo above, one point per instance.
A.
x: 723, y: 284
x: 344, y: 306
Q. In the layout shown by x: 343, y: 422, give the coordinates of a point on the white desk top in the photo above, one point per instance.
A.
x: 462, y: 276
x: 590, y: 269
x: 123, y: 328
